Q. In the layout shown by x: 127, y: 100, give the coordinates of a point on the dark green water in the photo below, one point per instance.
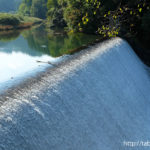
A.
x: 20, y: 50
x: 47, y: 42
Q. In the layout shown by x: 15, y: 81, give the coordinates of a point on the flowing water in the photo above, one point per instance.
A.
x: 94, y: 100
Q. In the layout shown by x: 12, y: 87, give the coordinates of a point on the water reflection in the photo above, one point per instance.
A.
x: 20, y: 50
x: 56, y: 44
x: 9, y: 35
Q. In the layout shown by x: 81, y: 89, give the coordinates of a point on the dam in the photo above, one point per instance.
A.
x: 97, y: 99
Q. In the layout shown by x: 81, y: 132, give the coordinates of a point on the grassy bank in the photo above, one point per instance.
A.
x: 15, y: 21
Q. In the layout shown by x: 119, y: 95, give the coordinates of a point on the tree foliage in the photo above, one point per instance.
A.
x: 107, y: 17
x: 127, y: 17
x: 55, y: 12
x: 9, y: 19
x: 35, y: 8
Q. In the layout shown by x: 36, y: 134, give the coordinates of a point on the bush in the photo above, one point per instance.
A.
x: 9, y: 19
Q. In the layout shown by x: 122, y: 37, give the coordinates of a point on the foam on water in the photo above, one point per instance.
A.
x: 93, y: 101
x: 18, y: 61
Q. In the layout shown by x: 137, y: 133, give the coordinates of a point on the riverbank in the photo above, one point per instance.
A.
x: 15, y: 21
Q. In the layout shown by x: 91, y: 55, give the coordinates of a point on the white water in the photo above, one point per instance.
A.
x: 94, y: 101
x: 19, y: 61
x: 16, y: 64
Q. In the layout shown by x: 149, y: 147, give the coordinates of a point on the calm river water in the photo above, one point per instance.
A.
x: 23, y: 53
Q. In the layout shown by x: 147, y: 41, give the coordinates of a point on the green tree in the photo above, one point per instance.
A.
x: 35, y: 8
x: 55, y: 13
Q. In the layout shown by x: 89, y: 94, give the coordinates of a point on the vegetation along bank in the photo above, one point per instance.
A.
x: 129, y: 19
x: 15, y: 21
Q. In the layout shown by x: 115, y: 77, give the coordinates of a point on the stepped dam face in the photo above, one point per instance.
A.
x: 98, y: 99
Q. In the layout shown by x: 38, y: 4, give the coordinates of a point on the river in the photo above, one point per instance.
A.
x: 96, y: 99
x: 27, y: 52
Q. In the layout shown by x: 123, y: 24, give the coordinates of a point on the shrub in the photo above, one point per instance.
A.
x: 9, y: 19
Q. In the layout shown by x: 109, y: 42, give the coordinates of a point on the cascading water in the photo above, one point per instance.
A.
x: 95, y: 100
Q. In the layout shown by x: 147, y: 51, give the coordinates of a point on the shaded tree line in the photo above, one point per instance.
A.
x: 35, y: 8
x: 109, y: 18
